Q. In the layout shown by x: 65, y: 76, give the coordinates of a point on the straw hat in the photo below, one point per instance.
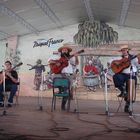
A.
x: 124, y: 47
x: 65, y: 46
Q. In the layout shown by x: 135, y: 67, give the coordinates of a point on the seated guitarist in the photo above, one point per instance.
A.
x: 121, y: 78
x: 68, y: 69
x: 10, y: 81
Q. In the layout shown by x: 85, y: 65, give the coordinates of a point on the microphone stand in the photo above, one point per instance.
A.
x: 132, y: 95
x: 76, y: 110
x: 106, y: 94
x: 4, y: 94
x: 131, y: 91
x: 41, y: 88
x: 4, y: 90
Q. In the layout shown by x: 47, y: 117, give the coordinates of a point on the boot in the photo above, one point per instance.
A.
x: 64, y: 100
x: 126, y: 108
x: 123, y: 92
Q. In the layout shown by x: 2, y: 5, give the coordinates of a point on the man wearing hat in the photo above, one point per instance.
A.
x: 121, y: 78
x: 65, y: 52
x: 67, y: 70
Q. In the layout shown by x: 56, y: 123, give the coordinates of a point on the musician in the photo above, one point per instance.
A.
x: 69, y: 70
x: 11, y: 82
x: 121, y: 79
x: 39, y: 68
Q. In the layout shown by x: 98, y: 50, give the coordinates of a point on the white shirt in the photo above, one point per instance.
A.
x: 70, y: 69
x: 134, y: 64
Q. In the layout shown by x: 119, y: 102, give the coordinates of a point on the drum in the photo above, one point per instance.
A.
x: 91, y: 80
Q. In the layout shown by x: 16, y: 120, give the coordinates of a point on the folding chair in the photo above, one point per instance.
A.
x: 131, y: 94
x: 61, y: 88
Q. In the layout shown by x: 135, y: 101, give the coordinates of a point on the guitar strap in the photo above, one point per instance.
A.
x: 132, y: 56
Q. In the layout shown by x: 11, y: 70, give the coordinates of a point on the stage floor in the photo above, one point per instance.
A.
x: 27, y: 122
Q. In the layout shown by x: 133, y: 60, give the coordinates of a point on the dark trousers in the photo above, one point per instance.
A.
x: 12, y: 88
x: 120, y: 82
x: 121, y: 79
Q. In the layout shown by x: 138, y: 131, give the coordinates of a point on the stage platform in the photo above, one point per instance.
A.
x: 86, y: 120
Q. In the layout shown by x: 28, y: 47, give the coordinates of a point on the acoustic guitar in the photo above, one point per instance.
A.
x: 57, y: 65
x: 1, y: 72
x: 119, y: 65
x: 19, y: 64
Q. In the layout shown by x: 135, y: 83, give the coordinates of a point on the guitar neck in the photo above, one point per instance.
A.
x: 17, y: 65
x: 81, y: 51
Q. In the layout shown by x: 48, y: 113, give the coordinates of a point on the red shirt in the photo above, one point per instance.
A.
x: 90, y: 68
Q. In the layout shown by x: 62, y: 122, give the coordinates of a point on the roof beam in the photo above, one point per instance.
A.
x: 49, y: 12
x: 89, y: 10
x: 4, y: 34
x: 124, y: 12
x: 16, y: 17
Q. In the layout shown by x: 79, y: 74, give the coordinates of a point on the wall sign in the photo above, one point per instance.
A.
x: 44, y: 42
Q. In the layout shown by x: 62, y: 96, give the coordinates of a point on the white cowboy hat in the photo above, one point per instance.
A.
x: 65, y: 46
x: 122, y: 47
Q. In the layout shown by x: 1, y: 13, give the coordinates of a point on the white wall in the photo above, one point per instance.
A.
x: 29, y: 55
x: 2, y: 54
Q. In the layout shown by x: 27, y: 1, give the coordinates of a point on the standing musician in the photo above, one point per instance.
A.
x: 122, y: 77
x: 66, y: 69
x: 39, y: 68
x: 11, y: 82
